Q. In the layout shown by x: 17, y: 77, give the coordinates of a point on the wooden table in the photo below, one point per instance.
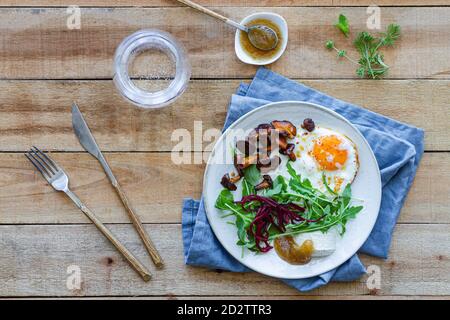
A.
x: 44, y: 66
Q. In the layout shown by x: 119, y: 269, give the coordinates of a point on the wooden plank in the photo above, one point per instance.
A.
x: 249, y: 297
x: 156, y: 188
x: 34, y: 261
x: 220, y: 3
x: 35, y: 42
x: 38, y: 112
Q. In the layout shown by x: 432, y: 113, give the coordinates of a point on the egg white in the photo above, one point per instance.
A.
x: 307, y: 166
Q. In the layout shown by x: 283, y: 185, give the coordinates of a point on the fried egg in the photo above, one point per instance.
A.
x: 324, y: 154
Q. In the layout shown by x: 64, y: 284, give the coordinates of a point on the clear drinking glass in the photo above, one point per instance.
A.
x: 151, y: 41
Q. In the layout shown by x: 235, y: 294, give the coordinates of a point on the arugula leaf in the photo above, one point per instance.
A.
x: 280, y: 182
x: 252, y: 174
x: 279, y: 185
x: 247, y: 188
x: 291, y: 171
x: 324, y: 180
x: 343, y: 25
x: 346, y: 195
x: 226, y: 202
x: 302, y: 186
x: 242, y: 233
x: 353, y: 211
x: 225, y: 198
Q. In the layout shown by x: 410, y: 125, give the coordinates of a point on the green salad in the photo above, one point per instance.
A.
x: 290, y: 206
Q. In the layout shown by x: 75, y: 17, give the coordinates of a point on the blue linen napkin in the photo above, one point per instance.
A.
x: 398, y: 148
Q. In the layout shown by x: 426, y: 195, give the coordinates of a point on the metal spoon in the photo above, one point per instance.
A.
x: 260, y: 36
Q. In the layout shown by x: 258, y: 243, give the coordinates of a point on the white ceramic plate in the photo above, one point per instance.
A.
x: 366, y: 186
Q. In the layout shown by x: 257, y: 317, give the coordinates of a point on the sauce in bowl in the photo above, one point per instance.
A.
x: 256, y: 53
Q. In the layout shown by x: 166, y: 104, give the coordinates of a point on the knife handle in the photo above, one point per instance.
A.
x: 132, y: 260
x: 157, y: 260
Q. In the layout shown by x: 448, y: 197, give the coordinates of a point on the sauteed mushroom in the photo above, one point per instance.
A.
x: 282, y: 143
x: 246, y: 147
x: 235, y: 177
x: 267, y: 127
x: 308, y: 124
x: 248, y: 161
x: 286, y: 128
x: 266, y: 183
x: 227, y: 183
x: 289, y: 151
x: 239, y: 169
x: 269, y: 164
x: 241, y: 162
x: 257, y: 147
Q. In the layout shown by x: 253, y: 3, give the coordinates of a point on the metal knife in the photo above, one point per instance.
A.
x: 90, y: 145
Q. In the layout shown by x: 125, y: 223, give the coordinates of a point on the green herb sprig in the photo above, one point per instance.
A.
x: 342, y: 25
x: 371, y: 62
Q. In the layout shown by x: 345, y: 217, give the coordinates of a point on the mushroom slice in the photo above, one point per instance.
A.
x: 237, y: 160
x: 260, y: 129
x: 235, y: 178
x: 266, y: 183
x: 226, y: 182
x: 246, y: 147
x: 244, y: 162
x: 264, y: 127
x: 282, y: 144
x: 289, y: 151
x: 285, y: 128
x: 263, y: 160
x: 269, y: 164
x: 308, y: 124
x: 264, y: 141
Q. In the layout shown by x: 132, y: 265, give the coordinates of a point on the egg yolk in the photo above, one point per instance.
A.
x: 328, y: 154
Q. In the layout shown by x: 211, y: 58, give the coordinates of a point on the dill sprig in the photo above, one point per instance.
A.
x: 371, y: 62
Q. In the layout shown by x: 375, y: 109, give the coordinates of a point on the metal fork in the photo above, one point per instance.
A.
x: 59, y: 180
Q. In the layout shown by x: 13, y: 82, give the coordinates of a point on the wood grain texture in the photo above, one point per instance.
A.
x: 156, y: 188
x: 249, y: 297
x: 220, y: 3
x: 38, y: 112
x: 34, y: 260
x: 42, y: 233
x: 36, y: 43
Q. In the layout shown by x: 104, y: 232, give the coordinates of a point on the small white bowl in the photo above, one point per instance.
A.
x: 276, y: 19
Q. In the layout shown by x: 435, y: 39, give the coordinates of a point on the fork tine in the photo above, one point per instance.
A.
x: 36, y: 164
x: 49, y: 163
x: 53, y: 163
x: 40, y: 164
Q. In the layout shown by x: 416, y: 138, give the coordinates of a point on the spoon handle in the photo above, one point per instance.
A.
x: 214, y: 14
